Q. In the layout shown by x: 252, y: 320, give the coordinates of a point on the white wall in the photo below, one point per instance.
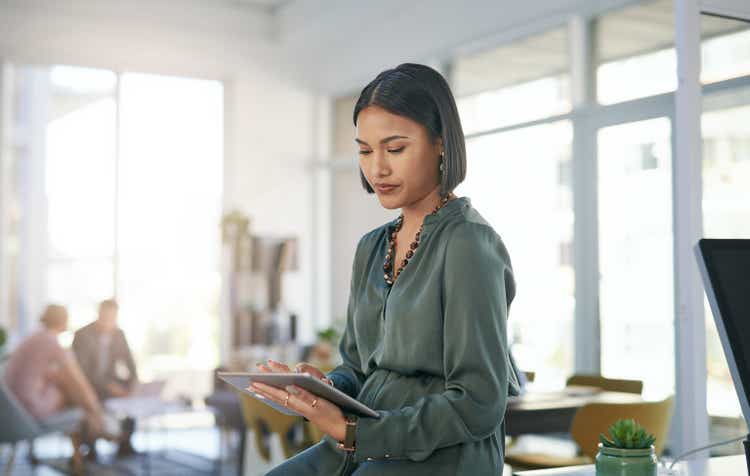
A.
x: 268, y: 172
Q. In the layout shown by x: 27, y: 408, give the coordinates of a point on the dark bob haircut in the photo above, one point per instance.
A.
x: 422, y: 94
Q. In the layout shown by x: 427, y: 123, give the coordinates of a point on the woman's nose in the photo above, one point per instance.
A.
x: 379, y: 165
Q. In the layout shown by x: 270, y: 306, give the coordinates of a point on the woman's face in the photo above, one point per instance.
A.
x: 397, y: 156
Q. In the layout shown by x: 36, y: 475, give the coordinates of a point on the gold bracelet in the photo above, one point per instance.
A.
x: 351, y: 428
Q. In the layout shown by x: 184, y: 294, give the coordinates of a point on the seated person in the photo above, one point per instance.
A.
x: 46, y: 379
x: 106, y: 360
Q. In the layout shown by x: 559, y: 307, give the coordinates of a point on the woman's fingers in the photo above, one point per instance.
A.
x: 311, y: 369
x: 278, y: 366
x: 263, y: 368
x: 272, y: 366
x: 302, y: 395
x: 299, y: 399
x: 278, y: 394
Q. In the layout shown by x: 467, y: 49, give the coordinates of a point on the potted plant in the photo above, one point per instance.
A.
x: 628, y: 451
x: 3, y: 338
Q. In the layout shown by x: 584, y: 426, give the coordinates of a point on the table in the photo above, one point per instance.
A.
x: 553, y: 411
x: 723, y: 466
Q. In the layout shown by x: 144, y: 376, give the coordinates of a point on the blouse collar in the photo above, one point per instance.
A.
x: 447, y: 209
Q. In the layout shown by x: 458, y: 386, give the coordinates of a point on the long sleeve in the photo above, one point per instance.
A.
x: 478, y: 286
x: 348, y: 376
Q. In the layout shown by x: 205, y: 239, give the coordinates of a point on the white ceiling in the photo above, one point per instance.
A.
x: 336, y: 46
x: 328, y: 46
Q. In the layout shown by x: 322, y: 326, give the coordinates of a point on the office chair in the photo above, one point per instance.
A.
x: 596, y: 418
x: 608, y: 384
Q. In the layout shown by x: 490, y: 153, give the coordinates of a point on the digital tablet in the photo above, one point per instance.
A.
x: 242, y: 380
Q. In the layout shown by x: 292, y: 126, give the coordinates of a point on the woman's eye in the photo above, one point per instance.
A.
x: 364, y: 152
x: 396, y: 151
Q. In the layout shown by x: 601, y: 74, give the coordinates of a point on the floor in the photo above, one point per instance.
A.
x: 188, y: 445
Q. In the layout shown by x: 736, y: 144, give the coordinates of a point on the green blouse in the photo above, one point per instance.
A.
x: 430, y: 353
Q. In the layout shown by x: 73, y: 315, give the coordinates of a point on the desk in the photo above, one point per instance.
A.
x: 553, y: 412
x: 723, y: 466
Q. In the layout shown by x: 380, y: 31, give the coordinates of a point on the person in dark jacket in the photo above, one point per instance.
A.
x: 105, y: 357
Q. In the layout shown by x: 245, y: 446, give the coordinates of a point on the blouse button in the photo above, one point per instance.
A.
x: 369, y: 458
x: 387, y: 456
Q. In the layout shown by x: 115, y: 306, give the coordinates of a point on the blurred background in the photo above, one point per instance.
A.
x: 195, y: 160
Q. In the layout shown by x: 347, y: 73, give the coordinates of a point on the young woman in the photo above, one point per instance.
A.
x: 46, y: 379
x: 425, y: 340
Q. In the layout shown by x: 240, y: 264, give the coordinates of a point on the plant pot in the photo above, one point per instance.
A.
x: 624, y: 462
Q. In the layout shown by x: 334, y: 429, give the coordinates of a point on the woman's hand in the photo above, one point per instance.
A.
x: 324, y: 415
x: 301, y: 367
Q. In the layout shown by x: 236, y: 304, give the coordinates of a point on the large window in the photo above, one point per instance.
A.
x: 131, y: 166
x: 168, y: 230
x: 637, y: 58
x: 80, y: 188
x: 522, y: 81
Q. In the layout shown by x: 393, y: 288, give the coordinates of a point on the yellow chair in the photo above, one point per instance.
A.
x: 262, y: 420
x: 608, y: 384
x: 596, y: 418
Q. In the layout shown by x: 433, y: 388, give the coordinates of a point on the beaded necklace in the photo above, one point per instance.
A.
x: 388, y: 265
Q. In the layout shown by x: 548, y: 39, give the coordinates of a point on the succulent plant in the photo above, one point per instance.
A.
x: 627, y: 434
x: 329, y: 334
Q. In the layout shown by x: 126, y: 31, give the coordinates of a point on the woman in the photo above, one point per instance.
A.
x: 425, y: 339
x: 46, y: 379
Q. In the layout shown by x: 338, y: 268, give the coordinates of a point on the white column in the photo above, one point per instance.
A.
x: 690, y: 421
x: 228, y: 202
x: 585, y: 242
x: 5, y: 180
x: 32, y: 185
x: 322, y: 223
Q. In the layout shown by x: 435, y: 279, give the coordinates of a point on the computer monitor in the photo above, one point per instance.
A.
x: 725, y: 268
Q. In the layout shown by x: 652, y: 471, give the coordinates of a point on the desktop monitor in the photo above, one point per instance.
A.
x: 725, y: 268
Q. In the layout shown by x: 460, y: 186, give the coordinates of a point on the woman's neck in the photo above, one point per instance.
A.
x: 415, y: 212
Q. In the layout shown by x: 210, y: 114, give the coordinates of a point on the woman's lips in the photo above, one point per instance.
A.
x: 386, y: 188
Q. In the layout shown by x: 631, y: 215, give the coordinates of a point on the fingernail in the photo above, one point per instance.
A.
x: 291, y: 389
